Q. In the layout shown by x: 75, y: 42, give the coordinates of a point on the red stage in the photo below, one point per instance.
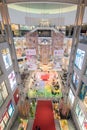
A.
x: 45, y: 77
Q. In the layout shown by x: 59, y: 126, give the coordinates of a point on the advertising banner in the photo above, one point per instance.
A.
x: 12, y: 80
x: 31, y: 59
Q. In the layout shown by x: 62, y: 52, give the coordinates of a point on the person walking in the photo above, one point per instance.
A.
x: 37, y: 128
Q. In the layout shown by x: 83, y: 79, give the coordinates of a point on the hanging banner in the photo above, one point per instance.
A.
x: 59, y: 53
x: 31, y: 59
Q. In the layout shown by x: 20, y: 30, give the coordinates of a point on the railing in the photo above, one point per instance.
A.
x: 2, y: 38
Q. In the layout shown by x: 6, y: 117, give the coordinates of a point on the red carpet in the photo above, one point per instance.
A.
x: 44, y: 116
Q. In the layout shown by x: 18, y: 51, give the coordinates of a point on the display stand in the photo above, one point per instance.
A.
x: 64, y: 125
x: 23, y: 124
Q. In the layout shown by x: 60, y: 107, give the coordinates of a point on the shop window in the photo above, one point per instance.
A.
x: 80, y: 115
x: 3, y: 93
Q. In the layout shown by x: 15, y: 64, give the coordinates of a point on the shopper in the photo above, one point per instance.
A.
x: 61, y: 104
x: 37, y: 128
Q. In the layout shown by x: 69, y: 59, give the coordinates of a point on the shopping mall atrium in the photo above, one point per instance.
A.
x: 43, y: 65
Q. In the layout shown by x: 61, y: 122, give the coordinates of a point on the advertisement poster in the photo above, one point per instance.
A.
x: 59, y: 53
x: 12, y: 80
x: 6, y: 58
x: 11, y: 109
x: 79, y: 58
x: 75, y: 79
x: 83, y: 91
x: 31, y: 59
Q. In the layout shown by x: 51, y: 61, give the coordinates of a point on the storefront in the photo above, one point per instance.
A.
x: 82, y: 121
x: 6, y: 117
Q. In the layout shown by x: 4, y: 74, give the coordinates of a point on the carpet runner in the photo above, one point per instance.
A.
x: 44, y: 116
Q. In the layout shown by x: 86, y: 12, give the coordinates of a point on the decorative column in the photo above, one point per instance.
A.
x: 9, y: 37
x: 75, y: 40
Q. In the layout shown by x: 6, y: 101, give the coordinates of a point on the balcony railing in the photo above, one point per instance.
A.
x: 2, y: 38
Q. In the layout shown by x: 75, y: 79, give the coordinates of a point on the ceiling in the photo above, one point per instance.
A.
x: 62, y: 1
x: 43, y: 8
x: 43, y: 5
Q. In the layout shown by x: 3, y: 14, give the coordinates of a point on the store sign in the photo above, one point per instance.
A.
x: 12, y: 80
x: 16, y: 96
x: 6, y: 58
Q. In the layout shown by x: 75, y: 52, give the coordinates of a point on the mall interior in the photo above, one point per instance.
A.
x: 43, y: 65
